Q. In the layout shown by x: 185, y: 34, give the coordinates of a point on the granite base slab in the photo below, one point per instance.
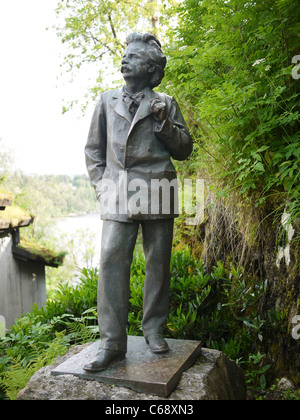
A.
x: 141, y: 370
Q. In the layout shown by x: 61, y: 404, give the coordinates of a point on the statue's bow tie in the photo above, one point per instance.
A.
x: 132, y: 100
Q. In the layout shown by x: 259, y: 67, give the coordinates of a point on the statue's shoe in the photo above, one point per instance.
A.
x: 157, y: 343
x: 103, y: 360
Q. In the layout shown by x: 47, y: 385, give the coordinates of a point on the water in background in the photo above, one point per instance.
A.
x: 89, y: 228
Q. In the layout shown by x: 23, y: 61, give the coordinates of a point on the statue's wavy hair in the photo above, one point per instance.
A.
x: 156, y: 56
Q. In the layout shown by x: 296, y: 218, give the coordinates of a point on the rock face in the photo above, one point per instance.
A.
x: 264, y: 241
x: 212, y: 377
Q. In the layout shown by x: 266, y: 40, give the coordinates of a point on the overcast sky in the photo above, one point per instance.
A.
x: 31, y: 92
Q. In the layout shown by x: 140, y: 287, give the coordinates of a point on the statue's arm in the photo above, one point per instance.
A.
x: 95, y: 149
x: 173, y: 132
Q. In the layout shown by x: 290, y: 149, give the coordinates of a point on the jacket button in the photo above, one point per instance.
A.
x: 149, y: 149
x: 121, y: 149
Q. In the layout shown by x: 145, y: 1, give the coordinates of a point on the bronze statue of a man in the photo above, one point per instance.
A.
x: 134, y: 133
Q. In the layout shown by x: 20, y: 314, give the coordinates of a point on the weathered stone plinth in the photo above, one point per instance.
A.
x: 212, y: 377
x: 141, y: 370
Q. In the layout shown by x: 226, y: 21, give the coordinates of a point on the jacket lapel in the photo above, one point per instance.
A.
x: 119, y: 105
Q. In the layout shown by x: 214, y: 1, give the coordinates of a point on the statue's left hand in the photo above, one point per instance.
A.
x: 159, y: 110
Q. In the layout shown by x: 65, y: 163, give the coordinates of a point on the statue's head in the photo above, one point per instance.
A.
x: 149, y: 47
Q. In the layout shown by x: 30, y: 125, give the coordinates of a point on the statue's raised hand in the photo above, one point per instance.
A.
x: 159, y: 109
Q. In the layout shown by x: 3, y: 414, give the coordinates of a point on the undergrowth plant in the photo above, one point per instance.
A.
x: 14, y: 378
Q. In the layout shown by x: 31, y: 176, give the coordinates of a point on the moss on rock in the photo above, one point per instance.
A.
x: 13, y: 217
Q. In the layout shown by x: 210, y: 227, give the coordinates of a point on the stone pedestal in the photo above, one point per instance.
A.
x: 141, y: 370
x: 212, y: 377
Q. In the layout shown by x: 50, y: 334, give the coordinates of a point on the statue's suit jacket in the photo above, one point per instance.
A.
x: 122, y: 148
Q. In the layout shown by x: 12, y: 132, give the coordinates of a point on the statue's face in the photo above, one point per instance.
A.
x: 135, y: 64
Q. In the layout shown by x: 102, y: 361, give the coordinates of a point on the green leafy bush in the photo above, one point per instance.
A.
x: 16, y: 376
x: 231, y: 67
x: 219, y: 308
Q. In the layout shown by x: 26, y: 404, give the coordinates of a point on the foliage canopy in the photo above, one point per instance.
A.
x: 232, y: 68
x: 95, y: 31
